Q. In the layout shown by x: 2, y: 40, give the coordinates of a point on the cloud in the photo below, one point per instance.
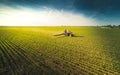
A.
x: 42, y: 17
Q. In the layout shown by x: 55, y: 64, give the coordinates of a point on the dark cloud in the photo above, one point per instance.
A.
x: 78, y: 5
x: 94, y: 8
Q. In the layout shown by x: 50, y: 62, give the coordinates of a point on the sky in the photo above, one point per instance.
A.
x: 59, y: 12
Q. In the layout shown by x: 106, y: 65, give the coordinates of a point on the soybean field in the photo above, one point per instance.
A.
x: 36, y: 51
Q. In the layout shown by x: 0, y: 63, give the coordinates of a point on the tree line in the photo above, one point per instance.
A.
x: 111, y: 26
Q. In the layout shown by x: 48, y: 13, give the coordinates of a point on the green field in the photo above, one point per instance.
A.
x: 35, y: 51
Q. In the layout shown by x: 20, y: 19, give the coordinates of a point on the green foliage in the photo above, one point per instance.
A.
x: 35, y: 51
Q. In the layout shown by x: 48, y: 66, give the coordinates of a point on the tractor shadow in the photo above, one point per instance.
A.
x: 70, y: 36
x: 78, y: 36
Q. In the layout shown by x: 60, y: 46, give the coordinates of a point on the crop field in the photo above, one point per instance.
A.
x: 36, y: 51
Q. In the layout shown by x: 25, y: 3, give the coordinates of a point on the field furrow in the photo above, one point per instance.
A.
x: 21, y: 60
x: 10, y: 66
x: 35, y: 51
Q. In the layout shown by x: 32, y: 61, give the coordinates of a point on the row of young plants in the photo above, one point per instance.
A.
x: 65, y: 55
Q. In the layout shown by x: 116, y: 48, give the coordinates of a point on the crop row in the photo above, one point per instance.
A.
x: 17, y: 62
x: 83, y: 67
x: 32, y: 54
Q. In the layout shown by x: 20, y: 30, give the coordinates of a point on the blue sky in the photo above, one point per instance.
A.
x: 100, y: 11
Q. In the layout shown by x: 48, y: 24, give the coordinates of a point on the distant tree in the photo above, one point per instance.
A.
x: 114, y: 26
x: 110, y: 26
x: 119, y: 26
